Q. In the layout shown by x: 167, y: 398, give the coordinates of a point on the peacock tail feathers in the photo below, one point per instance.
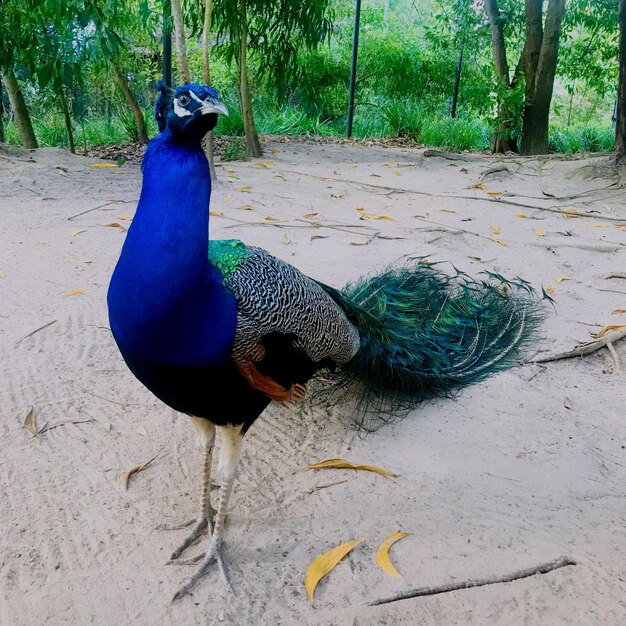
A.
x: 426, y: 334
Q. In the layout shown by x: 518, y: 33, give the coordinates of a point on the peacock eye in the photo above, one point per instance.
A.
x: 183, y: 100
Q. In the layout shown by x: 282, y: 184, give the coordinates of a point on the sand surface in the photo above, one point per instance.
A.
x: 521, y: 469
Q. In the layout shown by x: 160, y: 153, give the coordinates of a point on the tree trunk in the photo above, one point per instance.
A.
x: 181, y: 42
x: 122, y: 83
x: 540, y: 71
x: 1, y: 114
x: 253, y: 147
x: 67, y: 119
x: 620, y: 126
x: 206, y: 78
x: 503, y: 141
x: 20, y: 112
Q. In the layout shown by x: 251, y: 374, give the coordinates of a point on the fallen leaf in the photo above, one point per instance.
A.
x: 494, y: 193
x: 230, y: 169
x: 336, y: 195
x: 560, y: 279
x: 82, y: 260
x: 246, y: 207
x: 75, y: 292
x: 397, y: 174
x: 74, y: 233
x: 127, y: 218
x: 124, y: 477
x: 230, y: 180
x: 597, y: 224
x: 51, y: 425
x: 496, y: 229
x: 62, y: 173
x: 567, y: 213
x: 609, y: 328
x: 245, y: 188
x: 618, y: 311
x: 216, y: 213
x: 521, y: 215
x: 325, y: 563
x: 285, y: 239
x: 341, y: 464
x: 540, y: 232
x: 261, y: 164
x: 141, y: 429
x: 269, y: 218
x: 550, y: 290
x: 3, y: 275
x: 373, y: 216
x: 499, y: 241
x: 308, y: 216
x: 567, y: 403
x: 447, y: 211
x: 270, y: 205
x: 547, y: 167
x: 275, y: 151
x: 382, y: 554
x: 114, y: 225
x: 103, y: 164
x: 30, y: 421
x: 478, y: 186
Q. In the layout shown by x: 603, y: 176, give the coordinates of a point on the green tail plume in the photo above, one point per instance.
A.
x: 425, y: 334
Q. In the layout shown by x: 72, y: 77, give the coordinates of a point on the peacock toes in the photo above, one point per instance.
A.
x: 230, y: 449
x: 268, y: 386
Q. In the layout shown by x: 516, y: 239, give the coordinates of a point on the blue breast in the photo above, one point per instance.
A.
x: 167, y: 304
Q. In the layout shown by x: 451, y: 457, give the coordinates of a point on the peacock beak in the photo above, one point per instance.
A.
x: 213, y: 105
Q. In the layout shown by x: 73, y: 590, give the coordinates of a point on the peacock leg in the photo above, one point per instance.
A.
x: 230, y: 449
x: 206, y: 438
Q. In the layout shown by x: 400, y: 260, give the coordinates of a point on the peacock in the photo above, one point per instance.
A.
x: 219, y: 329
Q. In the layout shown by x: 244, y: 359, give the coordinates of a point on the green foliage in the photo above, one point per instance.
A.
x: 582, y: 139
x: 235, y: 150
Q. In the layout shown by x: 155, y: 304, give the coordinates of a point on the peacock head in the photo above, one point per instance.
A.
x: 189, y: 112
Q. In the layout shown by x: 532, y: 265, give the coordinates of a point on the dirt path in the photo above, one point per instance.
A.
x: 524, y: 468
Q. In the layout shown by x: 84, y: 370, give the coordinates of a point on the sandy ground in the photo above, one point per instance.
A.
x: 524, y: 468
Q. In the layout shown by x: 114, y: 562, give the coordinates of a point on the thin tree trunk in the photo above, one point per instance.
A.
x: 181, y: 42
x: 253, y: 146
x: 67, y: 119
x: 206, y: 77
x: 20, y: 111
x: 540, y: 77
x: 122, y: 83
x: 503, y: 141
x: 620, y: 126
x: 1, y: 114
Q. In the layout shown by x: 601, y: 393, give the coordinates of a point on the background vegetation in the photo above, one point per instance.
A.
x: 71, y: 65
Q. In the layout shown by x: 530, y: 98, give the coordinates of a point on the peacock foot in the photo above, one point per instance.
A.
x: 200, y: 526
x: 213, y: 555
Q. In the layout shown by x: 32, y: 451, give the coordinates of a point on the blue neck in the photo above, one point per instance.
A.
x: 166, y: 302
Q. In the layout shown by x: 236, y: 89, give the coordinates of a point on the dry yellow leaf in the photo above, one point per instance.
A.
x: 560, y: 279
x: 308, y: 216
x: 261, y: 164
x: 30, y: 421
x: 478, y: 186
x: 498, y: 241
x: 520, y: 215
x: 447, y: 211
x: 597, y: 224
x: 3, y: 275
x: 62, y: 173
x: 618, y: 311
x: 230, y: 169
x: 83, y: 260
x: 496, y: 229
x: 325, y: 563
x: 245, y: 188
x: 373, y: 216
x: 74, y: 233
x: 141, y: 429
x: 230, y: 180
x: 397, y: 174
x: 609, y: 328
x: 127, y: 218
x: 550, y: 290
x: 382, y: 554
x: 104, y: 165
x: 540, y: 232
x: 342, y: 464
x: 246, y: 207
x: 124, y: 477
x: 75, y: 292
x: 269, y: 218
x: 494, y: 193
x: 567, y: 213
x: 114, y: 225
x: 217, y: 213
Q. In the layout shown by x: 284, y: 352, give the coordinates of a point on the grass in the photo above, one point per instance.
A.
x: 385, y: 119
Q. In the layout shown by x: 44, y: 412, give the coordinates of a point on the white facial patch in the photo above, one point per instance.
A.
x: 179, y: 110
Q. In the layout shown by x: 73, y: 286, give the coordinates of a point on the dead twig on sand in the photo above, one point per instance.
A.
x: 588, y: 348
x: 100, y: 206
x: 544, y: 568
x: 614, y: 275
x: 32, y: 332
